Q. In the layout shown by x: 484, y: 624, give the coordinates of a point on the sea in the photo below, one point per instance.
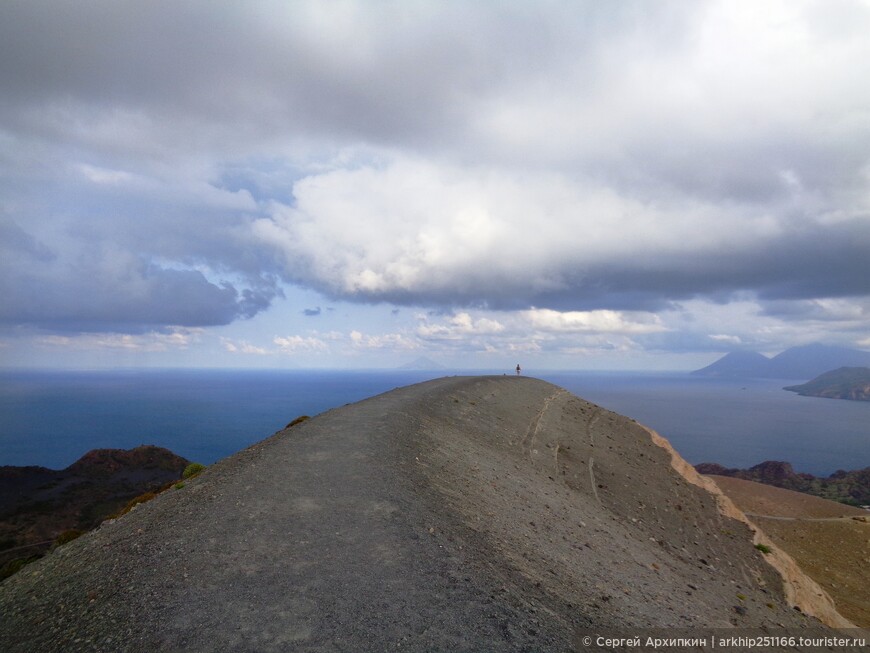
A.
x: 52, y: 418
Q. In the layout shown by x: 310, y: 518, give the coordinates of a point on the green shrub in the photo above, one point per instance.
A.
x: 193, y: 469
x: 763, y: 548
x: 178, y: 485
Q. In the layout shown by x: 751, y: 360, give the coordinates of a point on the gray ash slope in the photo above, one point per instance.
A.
x: 464, y: 513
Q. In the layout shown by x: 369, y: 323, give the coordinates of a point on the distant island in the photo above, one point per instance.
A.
x: 422, y: 363
x: 803, y: 362
x: 843, y: 383
x: 852, y: 488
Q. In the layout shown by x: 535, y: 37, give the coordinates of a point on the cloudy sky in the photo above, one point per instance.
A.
x: 359, y: 183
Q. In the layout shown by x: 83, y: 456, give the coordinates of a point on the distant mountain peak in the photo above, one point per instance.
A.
x: 809, y: 361
x: 422, y: 363
x: 802, y: 362
x: 736, y: 364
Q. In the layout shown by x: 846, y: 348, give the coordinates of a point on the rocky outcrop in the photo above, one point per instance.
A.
x: 38, y: 504
x: 851, y: 487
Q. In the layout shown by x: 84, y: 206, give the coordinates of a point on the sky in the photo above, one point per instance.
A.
x: 357, y: 184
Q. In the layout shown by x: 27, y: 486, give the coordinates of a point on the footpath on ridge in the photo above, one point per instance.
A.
x: 460, y: 514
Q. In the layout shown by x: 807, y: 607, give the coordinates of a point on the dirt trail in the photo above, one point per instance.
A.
x: 807, y: 519
x: 455, y: 515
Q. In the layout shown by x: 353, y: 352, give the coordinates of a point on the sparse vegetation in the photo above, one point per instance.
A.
x: 192, y: 470
x: 68, y: 536
x: 16, y: 565
x: 763, y: 548
x: 179, y: 485
x: 296, y: 421
x: 132, y: 503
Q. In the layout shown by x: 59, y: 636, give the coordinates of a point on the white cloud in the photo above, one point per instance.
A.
x: 99, y: 175
x: 726, y: 339
x: 243, y: 347
x: 417, y: 228
x: 459, y: 326
x: 525, y: 347
x: 538, y: 331
x: 390, y: 341
x: 174, y: 339
x: 296, y: 343
x: 764, y: 326
x: 600, y: 321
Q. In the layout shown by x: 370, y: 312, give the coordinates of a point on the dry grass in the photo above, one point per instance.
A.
x: 760, y: 499
x: 833, y: 552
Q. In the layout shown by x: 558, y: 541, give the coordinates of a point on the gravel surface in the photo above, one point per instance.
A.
x: 461, y: 514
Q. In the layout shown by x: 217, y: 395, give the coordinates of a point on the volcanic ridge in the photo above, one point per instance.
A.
x: 464, y: 513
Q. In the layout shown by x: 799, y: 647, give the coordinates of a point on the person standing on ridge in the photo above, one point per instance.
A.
x: 518, y: 369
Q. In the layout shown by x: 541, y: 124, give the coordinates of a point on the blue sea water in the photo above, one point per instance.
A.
x: 737, y: 422
x: 52, y: 418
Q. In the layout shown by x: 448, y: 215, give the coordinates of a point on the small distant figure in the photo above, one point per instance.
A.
x: 518, y: 369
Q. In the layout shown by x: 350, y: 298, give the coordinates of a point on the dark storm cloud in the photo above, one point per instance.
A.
x: 260, y: 71
x: 125, y: 294
x: 265, y: 68
x: 16, y: 243
x: 168, y: 162
x: 92, y: 250
x: 813, y: 261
